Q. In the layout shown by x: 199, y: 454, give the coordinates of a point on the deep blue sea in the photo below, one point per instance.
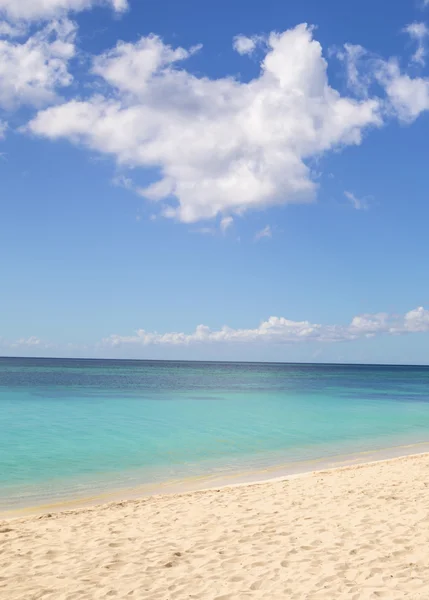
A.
x: 78, y: 427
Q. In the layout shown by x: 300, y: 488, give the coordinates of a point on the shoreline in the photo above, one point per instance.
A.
x: 358, y: 531
x: 202, y: 483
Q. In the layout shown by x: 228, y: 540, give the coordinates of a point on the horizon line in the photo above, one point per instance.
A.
x: 244, y: 362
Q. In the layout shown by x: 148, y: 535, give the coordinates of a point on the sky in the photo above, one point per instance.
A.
x: 215, y: 180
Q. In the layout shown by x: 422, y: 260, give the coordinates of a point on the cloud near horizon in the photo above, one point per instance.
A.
x: 275, y: 330
x: 279, y: 330
x: 29, y: 343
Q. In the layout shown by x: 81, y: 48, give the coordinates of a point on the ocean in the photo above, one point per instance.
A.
x: 78, y: 428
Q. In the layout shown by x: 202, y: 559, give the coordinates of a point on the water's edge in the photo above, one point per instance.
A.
x: 219, y: 481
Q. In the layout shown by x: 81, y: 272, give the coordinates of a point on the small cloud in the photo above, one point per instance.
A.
x: 357, y: 203
x: 225, y: 223
x: 120, y: 5
x: 243, y: 44
x: 39, y: 10
x: 266, y: 232
x: 358, y: 80
x: 418, y: 32
x: 30, y: 342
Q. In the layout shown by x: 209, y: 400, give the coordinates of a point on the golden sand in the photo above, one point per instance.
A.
x: 357, y: 532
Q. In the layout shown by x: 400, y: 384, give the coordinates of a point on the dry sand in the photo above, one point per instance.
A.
x: 356, y: 532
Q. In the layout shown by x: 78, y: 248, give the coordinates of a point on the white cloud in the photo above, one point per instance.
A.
x: 244, y: 45
x: 130, y: 68
x: 31, y: 341
x: 27, y: 10
x: 220, y: 145
x: 9, y: 30
x: 275, y: 330
x: 353, y: 56
x: 263, y: 233
x: 281, y: 330
x: 119, y: 5
x: 417, y: 320
x: 418, y: 32
x: 25, y: 344
x: 406, y: 97
x: 226, y: 223
x: 357, y: 203
x: 31, y: 71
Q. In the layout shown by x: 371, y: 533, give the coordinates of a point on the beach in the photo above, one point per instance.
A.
x: 354, y: 532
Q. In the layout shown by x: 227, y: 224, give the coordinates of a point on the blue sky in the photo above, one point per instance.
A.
x: 214, y: 180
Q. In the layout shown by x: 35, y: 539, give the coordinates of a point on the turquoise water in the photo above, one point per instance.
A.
x: 73, y: 427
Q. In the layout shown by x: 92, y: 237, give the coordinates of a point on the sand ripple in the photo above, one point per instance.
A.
x: 357, y: 533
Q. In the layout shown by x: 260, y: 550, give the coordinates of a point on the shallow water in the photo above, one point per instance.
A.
x: 77, y: 427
